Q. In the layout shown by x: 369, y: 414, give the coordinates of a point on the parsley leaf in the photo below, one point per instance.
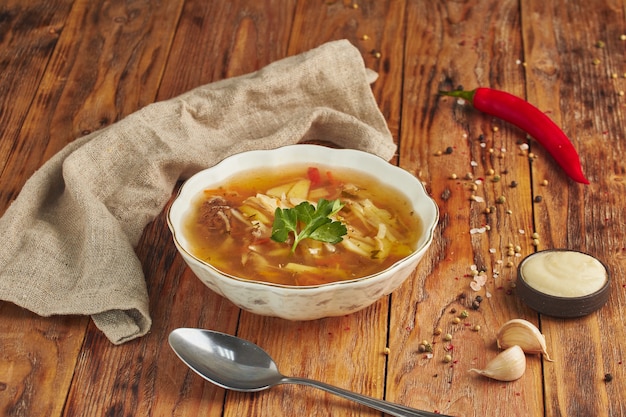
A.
x: 307, y: 221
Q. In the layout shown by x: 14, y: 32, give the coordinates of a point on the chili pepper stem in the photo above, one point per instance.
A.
x: 465, y: 95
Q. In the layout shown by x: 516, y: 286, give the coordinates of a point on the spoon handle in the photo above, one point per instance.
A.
x: 380, y: 405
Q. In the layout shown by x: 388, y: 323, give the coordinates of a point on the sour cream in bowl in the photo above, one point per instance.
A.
x: 563, y: 283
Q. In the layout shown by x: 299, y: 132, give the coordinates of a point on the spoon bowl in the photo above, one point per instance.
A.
x: 240, y: 365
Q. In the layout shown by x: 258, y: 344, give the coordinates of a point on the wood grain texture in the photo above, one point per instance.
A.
x: 570, y: 77
x: 28, y: 36
x: 467, y: 44
x: 72, y: 67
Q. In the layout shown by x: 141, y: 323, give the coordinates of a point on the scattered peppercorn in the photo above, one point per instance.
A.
x: 476, y: 328
x: 501, y: 199
x: 425, y: 346
x: 538, y: 199
x: 449, y: 150
x: 447, y: 337
x: 464, y: 314
x: 447, y: 358
x: 475, y: 305
x: 608, y: 377
x: 456, y: 320
x: 513, y: 184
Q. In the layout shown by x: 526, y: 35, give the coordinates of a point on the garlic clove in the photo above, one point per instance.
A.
x: 509, y: 365
x: 523, y: 334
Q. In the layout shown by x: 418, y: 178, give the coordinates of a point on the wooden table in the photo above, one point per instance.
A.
x: 70, y: 67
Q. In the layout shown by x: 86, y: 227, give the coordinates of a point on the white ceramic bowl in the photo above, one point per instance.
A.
x: 305, y: 302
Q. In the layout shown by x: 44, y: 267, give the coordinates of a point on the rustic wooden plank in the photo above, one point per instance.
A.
x: 89, y: 83
x: 37, y: 365
x: 570, y: 76
x: 216, y: 41
x: 104, y: 68
x: 469, y: 44
x: 37, y: 358
x: 28, y: 36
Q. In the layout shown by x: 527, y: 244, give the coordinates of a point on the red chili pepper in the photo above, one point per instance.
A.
x: 529, y: 118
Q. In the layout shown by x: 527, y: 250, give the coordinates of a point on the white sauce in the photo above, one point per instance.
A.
x: 564, y: 273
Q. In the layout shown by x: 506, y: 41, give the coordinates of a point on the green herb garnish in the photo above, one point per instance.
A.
x: 314, y: 222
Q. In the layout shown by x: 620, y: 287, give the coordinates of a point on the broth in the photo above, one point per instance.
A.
x: 230, y: 226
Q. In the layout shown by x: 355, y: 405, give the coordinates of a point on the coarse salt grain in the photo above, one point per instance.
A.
x: 480, y: 279
x: 474, y: 163
x: 475, y: 286
x: 524, y: 146
x: 478, y: 230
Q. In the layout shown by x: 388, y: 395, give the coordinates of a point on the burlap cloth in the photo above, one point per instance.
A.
x: 68, y: 239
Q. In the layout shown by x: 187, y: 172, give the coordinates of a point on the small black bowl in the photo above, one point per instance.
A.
x: 558, y: 306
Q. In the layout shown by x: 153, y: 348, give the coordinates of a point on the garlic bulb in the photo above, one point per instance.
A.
x: 523, y: 334
x: 509, y: 365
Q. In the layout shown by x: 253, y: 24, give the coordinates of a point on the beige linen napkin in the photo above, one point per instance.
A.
x: 68, y: 239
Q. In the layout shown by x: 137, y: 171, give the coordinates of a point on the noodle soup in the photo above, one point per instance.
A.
x: 230, y: 227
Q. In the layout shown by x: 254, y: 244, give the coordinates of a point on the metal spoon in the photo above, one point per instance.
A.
x: 236, y: 364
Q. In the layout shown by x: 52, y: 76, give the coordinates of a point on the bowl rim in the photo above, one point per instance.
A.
x: 428, y: 233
